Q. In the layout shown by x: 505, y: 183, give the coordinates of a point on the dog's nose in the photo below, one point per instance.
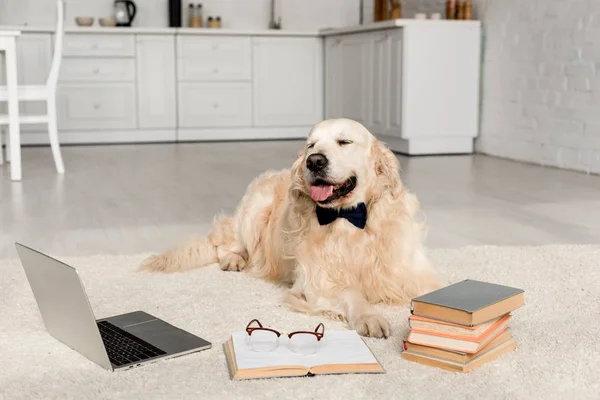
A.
x: 316, y: 162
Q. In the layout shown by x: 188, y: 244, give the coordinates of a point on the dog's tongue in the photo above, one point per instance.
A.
x: 320, y: 193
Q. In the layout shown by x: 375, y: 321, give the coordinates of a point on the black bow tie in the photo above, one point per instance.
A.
x: 357, y: 215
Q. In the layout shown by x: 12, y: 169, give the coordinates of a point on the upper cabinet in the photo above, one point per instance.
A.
x: 287, y: 81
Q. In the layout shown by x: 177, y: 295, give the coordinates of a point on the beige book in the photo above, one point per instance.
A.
x: 340, y: 352
x: 465, y: 344
x: 433, y: 325
x: 457, y: 355
x: 454, y: 366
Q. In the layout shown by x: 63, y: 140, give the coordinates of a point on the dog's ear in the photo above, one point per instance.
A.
x: 387, y: 167
x: 298, y: 175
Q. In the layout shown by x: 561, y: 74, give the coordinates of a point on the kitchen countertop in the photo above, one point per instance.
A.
x: 164, y: 31
x: 395, y: 23
x: 374, y: 26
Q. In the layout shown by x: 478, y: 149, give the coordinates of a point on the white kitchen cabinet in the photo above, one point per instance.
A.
x: 220, y: 58
x: 97, y: 69
x: 215, y: 104
x: 97, y: 106
x: 156, y: 82
x: 355, y: 58
x: 393, y: 125
x: 333, y: 66
x: 287, y: 81
x: 99, y: 45
x: 415, y: 86
x: 380, y: 80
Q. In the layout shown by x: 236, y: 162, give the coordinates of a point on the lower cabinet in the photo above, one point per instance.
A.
x: 96, y: 106
x: 215, y: 104
x: 287, y: 77
x: 415, y: 87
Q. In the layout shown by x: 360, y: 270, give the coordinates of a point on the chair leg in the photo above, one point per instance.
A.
x: 1, y: 146
x: 53, y: 135
x: 13, y: 111
x: 7, y: 145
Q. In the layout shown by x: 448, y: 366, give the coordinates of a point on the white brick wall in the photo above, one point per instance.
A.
x: 541, y: 82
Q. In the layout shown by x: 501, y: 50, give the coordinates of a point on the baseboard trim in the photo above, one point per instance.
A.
x: 224, y: 134
x: 431, y: 145
x: 102, y: 137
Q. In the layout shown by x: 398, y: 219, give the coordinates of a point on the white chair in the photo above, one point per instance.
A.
x: 45, y: 93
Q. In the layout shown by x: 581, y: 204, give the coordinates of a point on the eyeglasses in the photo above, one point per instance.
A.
x: 301, y: 342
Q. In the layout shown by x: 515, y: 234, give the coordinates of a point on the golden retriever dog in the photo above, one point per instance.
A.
x: 338, y: 228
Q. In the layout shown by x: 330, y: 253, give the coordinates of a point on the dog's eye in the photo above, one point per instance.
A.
x: 310, y: 146
x: 344, y: 142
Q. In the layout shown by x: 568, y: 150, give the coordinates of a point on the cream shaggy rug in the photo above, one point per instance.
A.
x: 558, y: 334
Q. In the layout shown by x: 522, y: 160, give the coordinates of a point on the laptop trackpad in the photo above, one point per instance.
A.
x: 123, y: 321
x: 166, y: 336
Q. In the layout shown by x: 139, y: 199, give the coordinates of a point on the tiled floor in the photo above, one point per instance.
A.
x: 137, y: 198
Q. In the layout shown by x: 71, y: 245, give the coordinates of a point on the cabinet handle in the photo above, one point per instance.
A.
x: 215, y: 47
x: 95, y: 46
x: 96, y: 71
x: 215, y: 105
x: 96, y: 106
x: 215, y: 70
x: 338, y: 41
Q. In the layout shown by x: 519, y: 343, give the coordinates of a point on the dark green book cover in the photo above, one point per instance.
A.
x: 469, y: 295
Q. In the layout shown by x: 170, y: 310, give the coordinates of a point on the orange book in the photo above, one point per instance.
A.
x: 456, y: 355
x: 462, y: 343
x: 429, y: 324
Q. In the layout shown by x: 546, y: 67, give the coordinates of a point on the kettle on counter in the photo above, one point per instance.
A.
x: 124, y: 11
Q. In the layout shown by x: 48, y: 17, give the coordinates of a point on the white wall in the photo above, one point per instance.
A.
x: 541, y: 84
x: 296, y: 14
x: 253, y: 14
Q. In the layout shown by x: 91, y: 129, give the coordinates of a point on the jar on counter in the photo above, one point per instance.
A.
x: 195, y: 16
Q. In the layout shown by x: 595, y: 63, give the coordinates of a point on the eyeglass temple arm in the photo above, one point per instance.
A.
x: 250, y: 323
x: 319, y: 327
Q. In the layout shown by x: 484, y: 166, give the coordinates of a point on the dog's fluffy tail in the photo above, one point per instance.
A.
x: 196, y: 252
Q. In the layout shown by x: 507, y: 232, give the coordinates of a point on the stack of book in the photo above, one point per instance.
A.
x: 462, y: 326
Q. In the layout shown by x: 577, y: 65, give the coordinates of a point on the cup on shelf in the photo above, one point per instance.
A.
x: 435, y: 16
x: 420, y: 16
x: 107, y: 21
x: 84, y: 21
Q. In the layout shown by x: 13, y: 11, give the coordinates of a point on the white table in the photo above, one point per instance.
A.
x: 8, y: 45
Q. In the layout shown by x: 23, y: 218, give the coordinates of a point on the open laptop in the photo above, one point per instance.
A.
x: 116, y: 343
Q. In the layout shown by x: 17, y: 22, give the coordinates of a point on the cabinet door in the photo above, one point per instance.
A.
x: 288, y: 80
x: 215, y: 104
x: 394, y: 125
x: 380, y: 80
x: 156, y: 81
x: 97, y: 106
x: 333, y: 87
x: 354, y: 80
x: 34, y: 58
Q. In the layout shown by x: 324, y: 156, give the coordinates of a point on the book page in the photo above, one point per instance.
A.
x: 338, y: 347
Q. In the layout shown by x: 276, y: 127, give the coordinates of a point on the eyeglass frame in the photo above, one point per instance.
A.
x: 318, y: 334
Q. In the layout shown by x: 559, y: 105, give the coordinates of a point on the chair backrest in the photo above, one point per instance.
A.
x: 58, y: 45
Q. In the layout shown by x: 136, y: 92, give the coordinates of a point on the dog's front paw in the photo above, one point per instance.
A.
x: 232, y: 262
x: 372, y: 325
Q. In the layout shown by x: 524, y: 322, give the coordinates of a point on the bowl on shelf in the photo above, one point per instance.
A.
x: 107, y: 21
x: 84, y: 21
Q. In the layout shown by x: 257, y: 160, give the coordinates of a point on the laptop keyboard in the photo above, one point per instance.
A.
x: 124, y: 348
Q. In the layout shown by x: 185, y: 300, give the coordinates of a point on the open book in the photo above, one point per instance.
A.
x: 340, y: 352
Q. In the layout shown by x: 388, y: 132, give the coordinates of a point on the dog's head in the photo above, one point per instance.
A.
x: 343, y: 164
